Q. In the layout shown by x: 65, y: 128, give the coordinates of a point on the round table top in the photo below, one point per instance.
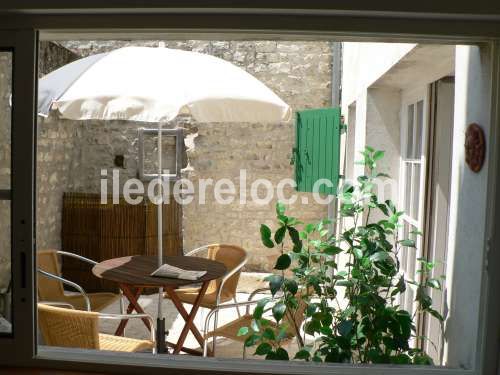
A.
x: 135, y: 270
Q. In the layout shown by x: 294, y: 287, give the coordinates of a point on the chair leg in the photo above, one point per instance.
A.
x: 237, y: 307
x: 214, y: 338
x: 205, y: 345
x: 122, y: 305
x: 244, y: 351
x: 122, y: 308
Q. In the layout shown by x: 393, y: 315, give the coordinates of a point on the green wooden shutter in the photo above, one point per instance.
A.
x: 317, y: 149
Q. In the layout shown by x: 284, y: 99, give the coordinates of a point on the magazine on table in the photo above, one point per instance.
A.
x: 167, y: 270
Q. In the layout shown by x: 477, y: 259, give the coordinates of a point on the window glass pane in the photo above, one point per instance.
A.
x: 5, y: 273
x: 415, y: 200
x: 5, y: 118
x: 5, y: 185
x: 409, y: 133
x: 407, y: 197
x: 404, y: 250
x: 418, y: 130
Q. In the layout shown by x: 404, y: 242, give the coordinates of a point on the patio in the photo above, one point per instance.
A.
x: 225, y: 348
x: 74, y: 150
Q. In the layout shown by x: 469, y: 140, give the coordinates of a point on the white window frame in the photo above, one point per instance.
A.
x: 26, y: 354
x: 413, y: 97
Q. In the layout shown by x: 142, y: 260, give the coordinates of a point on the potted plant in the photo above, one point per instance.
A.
x: 350, y: 284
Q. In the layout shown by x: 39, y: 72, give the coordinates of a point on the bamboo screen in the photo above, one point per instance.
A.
x: 104, y: 231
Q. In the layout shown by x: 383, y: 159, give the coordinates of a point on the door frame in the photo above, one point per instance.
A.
x: 23, y: 44
x: 429, y: 202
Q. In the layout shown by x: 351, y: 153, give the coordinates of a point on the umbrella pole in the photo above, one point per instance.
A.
x: 160, y: 321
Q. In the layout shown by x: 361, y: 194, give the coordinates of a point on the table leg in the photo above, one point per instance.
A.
x: 189, y: 326
x: 133, y: 298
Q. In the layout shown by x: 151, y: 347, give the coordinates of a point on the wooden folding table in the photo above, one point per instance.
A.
x: 132, y: 274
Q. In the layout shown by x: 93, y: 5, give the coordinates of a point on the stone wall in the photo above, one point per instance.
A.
x: 57, y: 164
x: 299, y: 72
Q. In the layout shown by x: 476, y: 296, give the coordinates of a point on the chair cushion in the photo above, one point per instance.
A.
x: 123, y: 344
x: 189, y: 295
x: 98, y: 301
x: 231, y: 329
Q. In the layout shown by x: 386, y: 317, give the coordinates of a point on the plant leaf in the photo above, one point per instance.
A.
x: 379, y: 256
x: 294, y: 235
x: 309, y: 228
x: 291, y: 286
x: 407, y: 243
x: 332, y: 250
x: 279, y: 235
x: 283, y: 262
x: 263, y: 348
x: 377, y: 155
x: 243, y: 331
x: 269, y: 334
x: 251, y: 340
x: 265, y: 235
x: 280, y: 208
x: 345, y: 327
x: 275, y: 283
x: 279, y: 311
x: 302, y: 354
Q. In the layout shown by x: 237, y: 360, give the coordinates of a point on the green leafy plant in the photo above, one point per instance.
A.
x: 350, y: 284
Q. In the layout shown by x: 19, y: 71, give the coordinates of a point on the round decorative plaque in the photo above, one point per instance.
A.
x: 475, y: 147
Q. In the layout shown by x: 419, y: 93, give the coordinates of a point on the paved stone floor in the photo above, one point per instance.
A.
x: 174, y: 323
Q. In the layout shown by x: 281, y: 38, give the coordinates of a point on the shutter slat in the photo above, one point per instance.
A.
x: 317, y: 149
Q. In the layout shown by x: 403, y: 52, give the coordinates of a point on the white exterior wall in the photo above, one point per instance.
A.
x: 367, y: 67
x: 383, y: 133
x: 364, y: 63
x: 468, y: 208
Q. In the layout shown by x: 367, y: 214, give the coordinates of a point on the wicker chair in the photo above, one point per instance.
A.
x: 294, y: 320
x: 50, y: 284
x: 221, y: 290
x: 69, y: 328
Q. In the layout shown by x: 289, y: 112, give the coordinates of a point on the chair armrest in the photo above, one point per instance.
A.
x: 197, y: 250
x: 132, y: 316
x: 69, y: 283
x: 58, y: 304
x: 76, y: 256
x: 253, y: 294
x: 258, y: 291
x: 227, y: 306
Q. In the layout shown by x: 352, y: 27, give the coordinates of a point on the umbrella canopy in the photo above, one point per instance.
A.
x: 156, y: 85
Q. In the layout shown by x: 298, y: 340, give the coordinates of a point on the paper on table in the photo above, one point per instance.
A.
x: 166, y: 270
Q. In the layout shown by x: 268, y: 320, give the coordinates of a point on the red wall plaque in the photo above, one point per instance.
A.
x: 475, y: 147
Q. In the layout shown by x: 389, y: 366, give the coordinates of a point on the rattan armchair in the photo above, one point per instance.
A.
x: 221, y: 290
x: 70, y: 328
x: 50, y: 284
x: 230, y: 330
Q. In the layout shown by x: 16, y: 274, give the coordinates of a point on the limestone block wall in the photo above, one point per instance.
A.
x: 57, y: 165
x: 299, y: 72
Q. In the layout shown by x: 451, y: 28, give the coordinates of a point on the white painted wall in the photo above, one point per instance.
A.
x: 383, y: 133
x: 370, y: 66
x: 468, y: 207
x: 365, y: 63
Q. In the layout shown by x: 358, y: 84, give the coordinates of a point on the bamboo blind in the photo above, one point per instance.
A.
x: 104, y: 231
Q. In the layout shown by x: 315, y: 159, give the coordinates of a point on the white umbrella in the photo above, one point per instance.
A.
x: 156, y: 85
